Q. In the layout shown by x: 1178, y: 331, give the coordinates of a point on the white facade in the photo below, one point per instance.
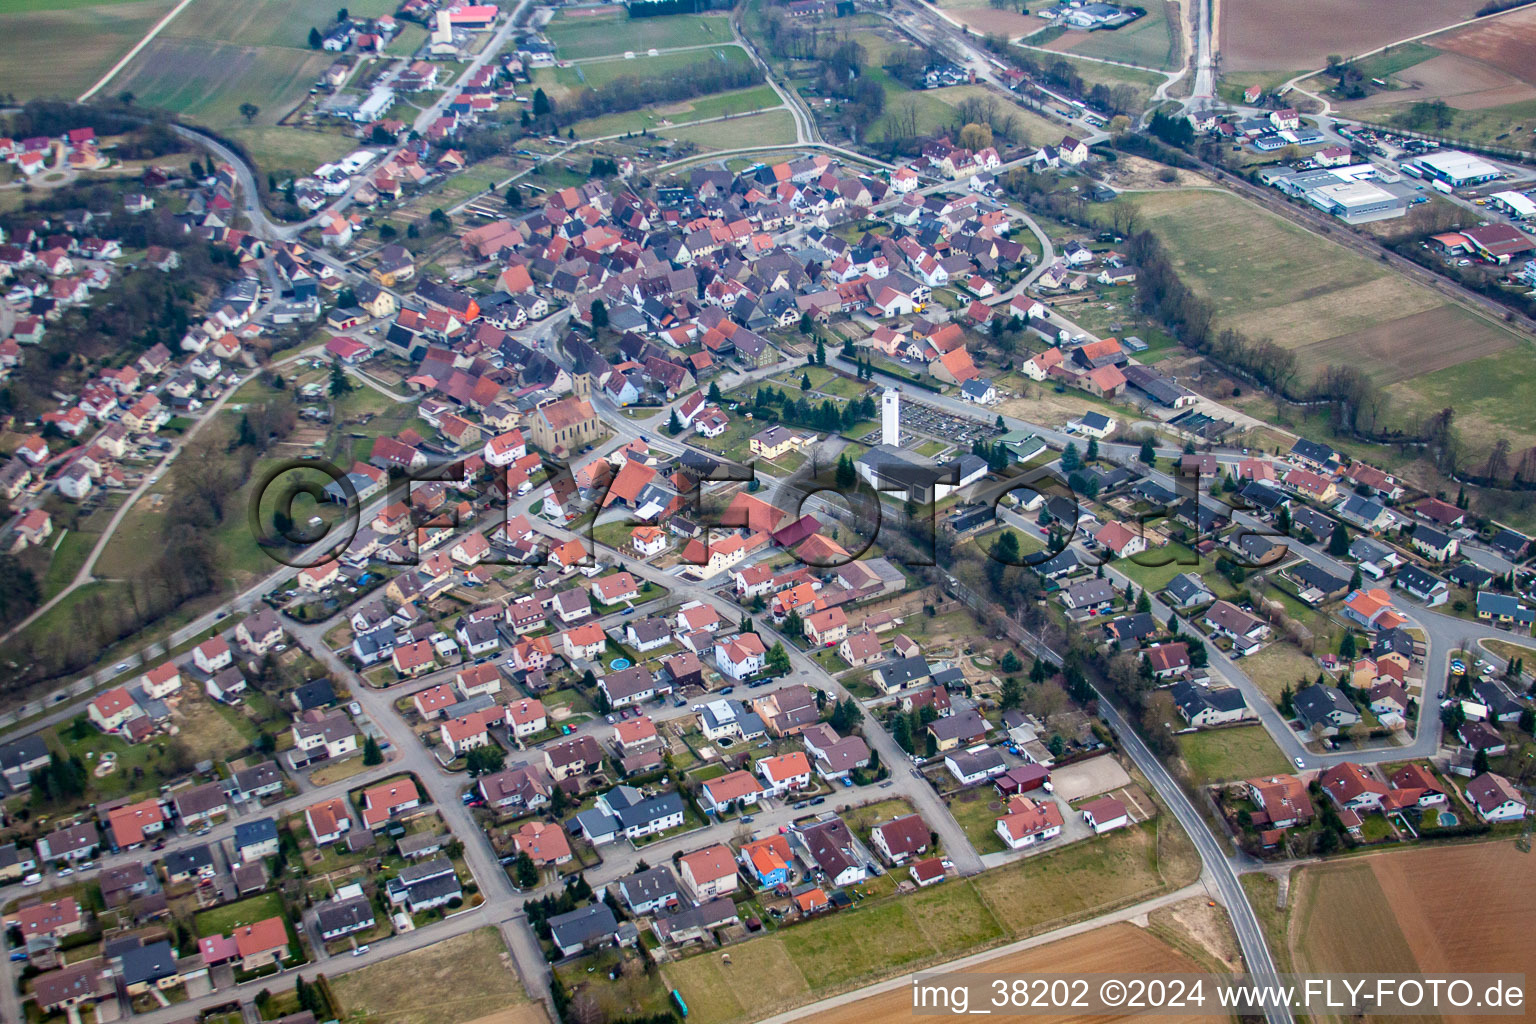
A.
x: 890, y: 417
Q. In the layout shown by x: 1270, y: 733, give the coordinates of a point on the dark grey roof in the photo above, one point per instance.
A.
x: 1315, y: 703
x: 250, y: 832
x: 902, y: 671
x: 148, y: 963
x: 313, y: 694
x: 583, y: 926
x: 1420, y: 581
x: 649, y: 886
x: 351, y: 914
x: 189, y: 861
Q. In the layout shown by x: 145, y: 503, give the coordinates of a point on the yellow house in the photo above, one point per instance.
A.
x: 772, y: 442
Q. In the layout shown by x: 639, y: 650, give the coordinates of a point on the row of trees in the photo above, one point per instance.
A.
x: 1062, y: 76
x: 634, y: 93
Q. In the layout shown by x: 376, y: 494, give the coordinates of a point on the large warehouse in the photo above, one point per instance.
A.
x: 1456, y: 169
x: 1345, y: 192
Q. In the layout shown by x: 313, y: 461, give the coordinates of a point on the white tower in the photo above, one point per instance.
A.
x: 890, y: 418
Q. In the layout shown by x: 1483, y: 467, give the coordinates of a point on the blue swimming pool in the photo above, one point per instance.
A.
x: 619, y: 664
x: 1447, y: 819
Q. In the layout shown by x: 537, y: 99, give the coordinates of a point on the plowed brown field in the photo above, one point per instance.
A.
x: 1508, y: 43
x: 1261, y: 35
x: 1435, y: 910
x: 1121, y: 948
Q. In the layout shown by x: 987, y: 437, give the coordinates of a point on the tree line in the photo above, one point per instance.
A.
x: 633, y: 93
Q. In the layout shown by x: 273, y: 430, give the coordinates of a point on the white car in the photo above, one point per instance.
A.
x: 1299, y: 762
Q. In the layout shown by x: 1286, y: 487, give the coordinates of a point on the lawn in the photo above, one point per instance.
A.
x: 842, y: 951
x: 1143, y: 570
x: 721, y: 104
x: 225, y: 919
x: 847, y: 947
x: 600, y: 73
x: 292, y: 149
x: 451, y: 981
x: 578, y: 38
x: 1086, y: 878
x: 216, y: 56
x: 1491, y: 395
x: 1096, y: 73
x: 772, y: 128
x: 976, y: 812
x: 69, y: 45
x: 1272, y: 279
x: 1277, y: 666
x: 1219, y: 755
x: 1151, y: 42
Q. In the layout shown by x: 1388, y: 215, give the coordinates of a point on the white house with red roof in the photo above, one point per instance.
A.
x: 162, y: 680
x: 111, y: 710
x: 785, y: 772
x: 212, y: 655
x: 384, y: 801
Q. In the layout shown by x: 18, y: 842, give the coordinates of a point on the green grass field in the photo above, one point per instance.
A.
x: 1218, y: 755
x: 1144, y: 82
x: 843, y: 951
x: 1150, y: 41
x: 218, y: 55
x: 294, y: 149
x: 222, y: 920
x: 69, y: 45
x: 770, y: 128
x: 599, y: 73
x: 1143, y: 569
x: 577, y: 37
x: 1271, y: 279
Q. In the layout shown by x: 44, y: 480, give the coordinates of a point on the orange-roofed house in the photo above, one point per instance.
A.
x: 469, y: 732
x: 648, y: 541
x: 1106, y: 381
x: 584, y: 642
x: 328, y: 821
x: 1026, y: 822
x: 1311, y: 485
x: 1038, y: 366
x: 111, y: 710
x: 733, y: 789
x: 163, y: 680
x: 709, y: 872
x: 384, y: 801
x: 413, y: 659
x: 262, y: 943
x: 543, y: 843
x: 569, y: 555
x: 526, y: 717
x: 768, y: 860
x: 131, y: 824
x: 785, y: 772
x: 431, y: 702
x: 1372, y: 609
x: 953, y: 367
x: 812, y: 901
x: 620, y: 586
x: 826, y: 628
x: 741, y: 656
